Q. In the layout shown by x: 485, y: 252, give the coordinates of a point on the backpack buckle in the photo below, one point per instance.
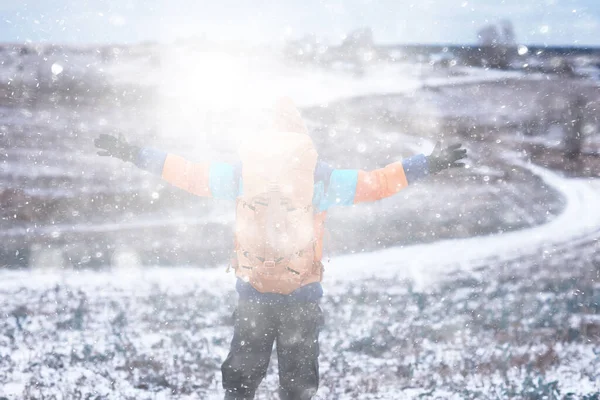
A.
x: 269, y: 264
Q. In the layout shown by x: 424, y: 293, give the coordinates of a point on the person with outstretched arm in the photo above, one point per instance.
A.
x: 282, y: 193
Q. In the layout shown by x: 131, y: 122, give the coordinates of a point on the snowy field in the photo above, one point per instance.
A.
x: 485, y: 286
x: 493, y: 317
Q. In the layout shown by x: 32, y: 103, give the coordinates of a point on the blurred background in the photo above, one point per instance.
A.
x: 517, y: 82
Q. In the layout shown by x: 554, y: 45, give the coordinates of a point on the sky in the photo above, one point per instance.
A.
x: 539, y: 22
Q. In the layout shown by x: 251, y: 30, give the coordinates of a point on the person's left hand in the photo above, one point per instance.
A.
x: 115, y: 147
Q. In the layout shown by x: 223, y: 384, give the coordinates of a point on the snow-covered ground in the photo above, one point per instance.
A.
x: 506, y: 315
x: 443, y: 320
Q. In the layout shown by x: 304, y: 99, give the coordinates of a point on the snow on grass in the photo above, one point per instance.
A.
x: 453, y: 319
x: 162, y: 333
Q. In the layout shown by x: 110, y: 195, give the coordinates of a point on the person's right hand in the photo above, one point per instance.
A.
x: 448, y: 157
x: 114, y: 147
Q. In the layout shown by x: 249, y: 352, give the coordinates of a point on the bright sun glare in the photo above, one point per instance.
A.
x: 195, y: 83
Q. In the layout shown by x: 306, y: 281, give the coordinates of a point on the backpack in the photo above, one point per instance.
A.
x: 275, y: 233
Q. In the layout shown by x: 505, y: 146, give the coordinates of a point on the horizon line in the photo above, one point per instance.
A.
x: 267, y: 45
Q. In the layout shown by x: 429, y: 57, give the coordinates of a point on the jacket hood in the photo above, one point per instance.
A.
x: 287, y: 118
x: 282, y: 119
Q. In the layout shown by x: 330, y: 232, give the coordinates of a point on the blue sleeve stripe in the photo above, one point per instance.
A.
x: 415, y: 168
x: 151, y: 160
x: 221, y: 181
x: 341, y: 189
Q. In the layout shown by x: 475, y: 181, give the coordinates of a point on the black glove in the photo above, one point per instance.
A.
x: 441, y: 159
x: 116, y: 147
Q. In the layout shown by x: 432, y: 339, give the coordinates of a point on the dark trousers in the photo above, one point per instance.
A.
x: 295, y: 329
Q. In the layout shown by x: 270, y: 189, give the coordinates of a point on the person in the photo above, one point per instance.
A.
x: 279, y: 307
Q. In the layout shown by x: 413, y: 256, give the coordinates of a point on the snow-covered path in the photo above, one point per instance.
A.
x: 311, y: 88
x: 579, y: 221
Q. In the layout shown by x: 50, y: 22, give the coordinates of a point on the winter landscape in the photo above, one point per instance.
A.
x: 478, y: 283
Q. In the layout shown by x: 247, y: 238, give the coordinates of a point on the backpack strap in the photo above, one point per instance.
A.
x: 323, y: 173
